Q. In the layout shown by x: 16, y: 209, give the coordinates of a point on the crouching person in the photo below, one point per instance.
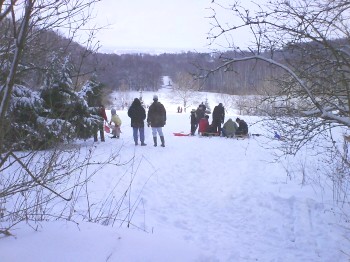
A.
x: 229, y: 128
x: 203, y: 125
x: 242, y: 127
x: 115, y: 119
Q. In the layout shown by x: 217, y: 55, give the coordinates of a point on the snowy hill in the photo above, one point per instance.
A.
x: 197, y: 199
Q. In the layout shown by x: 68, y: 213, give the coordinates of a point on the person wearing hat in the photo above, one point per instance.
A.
x: 117, y: 123
x: 156, y: 118
x: 194, y: 122
x: 242, y: 127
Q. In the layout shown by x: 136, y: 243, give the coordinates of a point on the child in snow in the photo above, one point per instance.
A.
x: 117, y: 123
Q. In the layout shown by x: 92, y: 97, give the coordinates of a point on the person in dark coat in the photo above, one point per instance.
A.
x: 137, y: 114
x: 242, y: 127
x: 218, y: 117
x: 194, y: 122
x: 200, y: 112
x: 156, y: 118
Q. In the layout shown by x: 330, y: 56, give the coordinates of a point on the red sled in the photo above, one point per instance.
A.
x: 107, y: 129
x: 181, y: 134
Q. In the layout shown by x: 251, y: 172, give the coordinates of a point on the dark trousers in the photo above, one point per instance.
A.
x: 193, y: 128
x: 217, y: 125
x: 102, y: 133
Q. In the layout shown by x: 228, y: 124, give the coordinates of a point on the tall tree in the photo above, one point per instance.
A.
x: 24, y: 115
x: 185, y: 89
x: 309, y: 41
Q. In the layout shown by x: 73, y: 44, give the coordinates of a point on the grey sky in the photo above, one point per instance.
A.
x: 155, y: 25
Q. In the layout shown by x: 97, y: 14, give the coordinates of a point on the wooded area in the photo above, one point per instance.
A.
x: 133, y: 71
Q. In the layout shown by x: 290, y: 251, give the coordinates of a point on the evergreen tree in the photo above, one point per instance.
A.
x: 92, y: 93
x: 56, y: 113
x: 66, y: 104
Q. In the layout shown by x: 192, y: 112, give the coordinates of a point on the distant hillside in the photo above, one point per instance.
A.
x: 138, y: 71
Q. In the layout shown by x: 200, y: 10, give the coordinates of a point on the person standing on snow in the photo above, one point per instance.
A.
x: 156, y: 118
x: 102, y: 113
x: 194, y: 122
x: 200, y: 112
x: 218, y: 117
x: 137, y: 114
x: 117, y: 123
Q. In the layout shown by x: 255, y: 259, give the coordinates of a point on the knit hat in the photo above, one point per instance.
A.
x: 113, y: 111
x: 155, y: 97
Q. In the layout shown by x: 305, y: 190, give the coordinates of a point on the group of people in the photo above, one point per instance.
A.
x: 115, y: 119
x: 200, y: 120
x: 156, y: 118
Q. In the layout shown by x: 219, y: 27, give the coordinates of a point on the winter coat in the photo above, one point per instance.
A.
x: 203, y: 125
x: 102, y: 113
x: 137, y: 114
x: 230, y: 127
x: 116, y: 120
x: 200, y: 113
x: 211, y: 129
x: 242, y: 128
x: 219, y: 113
x: 194, y: 120
x: 156, y: 115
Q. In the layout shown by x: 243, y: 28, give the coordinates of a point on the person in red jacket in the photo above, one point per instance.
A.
x: 102, y: 113
x: 203, y: 125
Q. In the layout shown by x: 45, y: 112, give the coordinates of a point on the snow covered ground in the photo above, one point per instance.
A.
x: 198, y: 199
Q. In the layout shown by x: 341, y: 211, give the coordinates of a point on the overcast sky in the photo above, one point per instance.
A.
x: 158, y: 25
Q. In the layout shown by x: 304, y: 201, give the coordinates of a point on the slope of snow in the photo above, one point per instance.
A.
x: 197, y: 199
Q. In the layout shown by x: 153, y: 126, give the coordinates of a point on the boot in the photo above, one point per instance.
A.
x: 143, y: 144
x: 155, y: 140
x: 162, y: 139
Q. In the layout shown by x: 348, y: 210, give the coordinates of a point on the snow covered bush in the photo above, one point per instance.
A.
x: 56, y: 113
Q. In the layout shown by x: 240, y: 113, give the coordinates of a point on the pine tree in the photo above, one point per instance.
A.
x: 55, y: 114
x: 92, y: 93
x: 66, y: 104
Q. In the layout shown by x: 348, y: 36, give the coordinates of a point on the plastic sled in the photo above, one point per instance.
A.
x: 107, y: 129
x: 181, y: 134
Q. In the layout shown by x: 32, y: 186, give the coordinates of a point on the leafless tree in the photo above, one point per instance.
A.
x: 31, y: 184
x: 309, y: 41
x: 185, y: 89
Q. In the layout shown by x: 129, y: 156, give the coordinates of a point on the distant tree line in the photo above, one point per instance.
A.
x: 132, y: 71
x: 144, y: 72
